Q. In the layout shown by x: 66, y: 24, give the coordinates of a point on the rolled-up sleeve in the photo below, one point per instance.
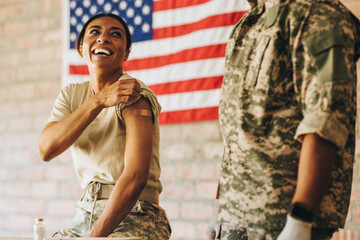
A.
x: 327, y: 92
x: 147, y: 94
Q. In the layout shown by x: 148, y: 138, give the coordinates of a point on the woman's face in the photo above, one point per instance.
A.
x: 104, y: 44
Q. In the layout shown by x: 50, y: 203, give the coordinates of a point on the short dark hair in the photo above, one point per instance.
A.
x: 80, y: 37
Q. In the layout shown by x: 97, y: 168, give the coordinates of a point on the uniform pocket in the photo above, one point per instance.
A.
x: 257, y: 58
x: 327, y: 49
x: 240, y: 55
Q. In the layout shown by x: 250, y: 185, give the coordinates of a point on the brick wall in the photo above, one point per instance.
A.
x: 30, y: 66
x: 30, y: 72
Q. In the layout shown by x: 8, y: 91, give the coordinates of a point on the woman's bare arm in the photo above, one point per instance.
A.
x: 58, y: 136
x: 138, y: 151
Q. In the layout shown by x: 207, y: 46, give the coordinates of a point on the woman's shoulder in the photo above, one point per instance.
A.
x: 145, y: 89
x: 146, y: 93
x: 142, y: 84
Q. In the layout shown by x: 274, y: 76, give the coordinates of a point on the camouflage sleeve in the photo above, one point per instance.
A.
x: 357, y: 37
x: 327, y: 78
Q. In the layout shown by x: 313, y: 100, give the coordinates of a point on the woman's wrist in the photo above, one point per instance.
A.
x: 96, y: 103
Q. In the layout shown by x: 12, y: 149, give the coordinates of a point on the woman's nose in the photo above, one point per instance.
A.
x: 102, y: 39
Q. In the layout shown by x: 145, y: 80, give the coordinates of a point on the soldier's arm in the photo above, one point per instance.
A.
x: 317, y: 159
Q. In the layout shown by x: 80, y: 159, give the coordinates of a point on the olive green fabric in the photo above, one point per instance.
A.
x: 327, y: 48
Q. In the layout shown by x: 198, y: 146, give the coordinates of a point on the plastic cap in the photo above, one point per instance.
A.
x: 39, y: 220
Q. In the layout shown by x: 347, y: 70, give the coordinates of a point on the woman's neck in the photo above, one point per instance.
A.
x: 102, y: 79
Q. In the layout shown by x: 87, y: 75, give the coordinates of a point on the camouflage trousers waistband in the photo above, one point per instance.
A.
x: 96, y: 191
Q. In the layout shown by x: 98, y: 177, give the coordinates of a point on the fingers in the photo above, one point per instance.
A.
x: 123, y: 91
x: 127, y: 95
x: 126, y: 99
x: 129, y: 87
x: 130, y: 83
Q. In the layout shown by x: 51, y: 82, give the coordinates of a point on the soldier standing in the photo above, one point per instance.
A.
x: 287, y: 117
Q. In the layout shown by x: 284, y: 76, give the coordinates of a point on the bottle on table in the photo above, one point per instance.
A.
x: 39, y: 229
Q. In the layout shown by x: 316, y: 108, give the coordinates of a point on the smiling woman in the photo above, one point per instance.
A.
x: 105, y: 40
x: 111, y: 125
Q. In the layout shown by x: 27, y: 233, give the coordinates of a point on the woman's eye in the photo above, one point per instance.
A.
x: 117, y: 34
x: 94, y: 31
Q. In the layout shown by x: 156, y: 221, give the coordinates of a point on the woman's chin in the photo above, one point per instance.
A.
x: 106, y: 66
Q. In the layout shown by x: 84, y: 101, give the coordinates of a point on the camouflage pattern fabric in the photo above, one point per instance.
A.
x: 232, y: 234
x: 147, y: 220
x: 289, y: 70
x: 262, y: 234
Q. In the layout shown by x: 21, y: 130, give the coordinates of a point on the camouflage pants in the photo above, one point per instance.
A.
x: 147, y: 220
x: 262, y: 234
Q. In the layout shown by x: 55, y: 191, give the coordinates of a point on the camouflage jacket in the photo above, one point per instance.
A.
x: 290, y: 70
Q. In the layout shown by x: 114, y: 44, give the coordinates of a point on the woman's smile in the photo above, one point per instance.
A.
x: 102, y: 51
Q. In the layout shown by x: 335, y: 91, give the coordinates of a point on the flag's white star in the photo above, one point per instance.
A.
x: 116, y: 12
x: 146, y: 10
x: 73, y: 21
x: 107, y: 7
x: 85, y: 18
x: 72, y: 4
x: 87, y: 3
x: 131, y: 29
x: 72, y: 37
x: 93, y: 9
x: 79, y: 27
x: 130, y: 12
x: 137, y: 20
x: 138, y: 3
x: 123, y: 5
x: 79, y: 11
x: 145, y: 27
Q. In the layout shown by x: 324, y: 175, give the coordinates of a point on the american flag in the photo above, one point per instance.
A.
x: 178, y: 49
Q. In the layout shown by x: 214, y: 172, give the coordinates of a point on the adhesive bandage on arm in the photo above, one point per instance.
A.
x: 143, y: 112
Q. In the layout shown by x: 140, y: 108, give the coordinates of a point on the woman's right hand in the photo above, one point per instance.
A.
x: 121, y: 91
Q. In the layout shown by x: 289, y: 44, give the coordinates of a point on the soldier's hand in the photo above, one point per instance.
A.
x: 122, y: 91
x: 295, y: 230
x: 213, y: 230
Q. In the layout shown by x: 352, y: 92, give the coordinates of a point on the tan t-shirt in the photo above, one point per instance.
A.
x: 98, y: 154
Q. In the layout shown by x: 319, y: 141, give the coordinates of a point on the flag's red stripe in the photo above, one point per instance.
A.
x: 173, y: 4
x: 212, y: 51
x: 191, y: 115
x: 78, y: 70
x: 220, y: 20
x: 188, y: 85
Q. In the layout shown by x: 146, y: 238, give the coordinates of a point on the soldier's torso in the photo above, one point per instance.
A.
x: 259, y: 113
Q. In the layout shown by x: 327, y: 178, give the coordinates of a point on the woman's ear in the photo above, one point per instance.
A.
x: 126, y: 55
x: 81, y: 50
